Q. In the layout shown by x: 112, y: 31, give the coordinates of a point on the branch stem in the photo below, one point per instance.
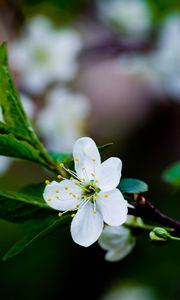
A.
x: 145, y: 209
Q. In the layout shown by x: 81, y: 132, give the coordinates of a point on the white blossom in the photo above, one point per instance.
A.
x: 92, y: 193
x: 130, y: 16
x: 44, y: 54
x: 140, y: 66
x: 129, y: 291
x: 118, y: 241
x: 166, y: 59
x: 64, y: 116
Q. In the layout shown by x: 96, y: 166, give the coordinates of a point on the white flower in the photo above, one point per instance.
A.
x: 118, y: 241
x: 129, y: 291
x: 65, y: 116
x: 138, y: 65
x: 44, y: 54
x: 131, y: 16
x: 92, y: 193
x: 166, y: 59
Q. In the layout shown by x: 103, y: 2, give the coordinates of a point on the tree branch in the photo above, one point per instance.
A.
x: 145, y: 209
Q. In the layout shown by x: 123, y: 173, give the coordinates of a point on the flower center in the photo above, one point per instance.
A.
x: 41, y: 55
x: 90, y: 189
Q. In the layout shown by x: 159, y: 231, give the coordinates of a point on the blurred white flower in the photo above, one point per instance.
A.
x: 118, y: 241
x: 166, y: 58
x: 130, y: 292
x: 130, y: 16
x: 62, y: 121
x: 44, y: 54
x: 138, y: 65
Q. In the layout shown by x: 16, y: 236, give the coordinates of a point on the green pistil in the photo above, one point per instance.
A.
x: 41, y: 55
x: 90, y: 190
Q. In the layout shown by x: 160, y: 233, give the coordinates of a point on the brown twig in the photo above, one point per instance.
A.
x: 145, y: 209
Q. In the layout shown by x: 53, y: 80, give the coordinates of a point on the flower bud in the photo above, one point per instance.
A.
x: 159, y: 236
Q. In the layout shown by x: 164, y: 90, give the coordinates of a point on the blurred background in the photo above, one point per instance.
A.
x: 109, y: 69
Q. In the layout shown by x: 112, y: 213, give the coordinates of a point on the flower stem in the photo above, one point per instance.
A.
x: 145, y: 209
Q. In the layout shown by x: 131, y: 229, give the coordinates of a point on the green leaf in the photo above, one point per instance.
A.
x: 60, y: 157
x: 172, y: 174
x: 41, y: 229
x: 10, y: 100
x: 34, y: 190
x: 19, y: 207
x: 104, y: 147
x: 11, y: 146
x: 17, y: 138
x: 131, y: 186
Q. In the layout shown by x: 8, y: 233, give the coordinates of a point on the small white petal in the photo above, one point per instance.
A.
x: 87, y: 158
x: 113, y: 236
x: 113, y: 207
x: 118, y: 241
x: 121, y: 252
x: 110, y: 174
x: 62, y: 195
x: 86, y: 226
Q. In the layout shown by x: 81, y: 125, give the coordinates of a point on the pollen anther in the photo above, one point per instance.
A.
x: 106, y: 195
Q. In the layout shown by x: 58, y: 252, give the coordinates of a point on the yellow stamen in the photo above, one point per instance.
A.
x: 59, y: 214
x: 47, y: 181
x: 57, y: 191
x: 94, y: 211
x: 49, y: 199
x: 92, y: 174
x: 93, y: 159
x: 106, y: 195
x: 71, y: 178
x: 77, y: 205
x: 61, y: 165
x: 77, y: 159
x: 66, y: 188
x: 72, y: 216
x: 59, y: 176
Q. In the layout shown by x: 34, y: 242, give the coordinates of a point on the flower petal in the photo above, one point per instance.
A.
x: 122, y: 251
x: 86, y: 226
x: 113, y: 236
x: 87, y: 158
x: 113, y: 207
x: 110, y: 174
x: 62, y: 195
x: 118, y: 241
